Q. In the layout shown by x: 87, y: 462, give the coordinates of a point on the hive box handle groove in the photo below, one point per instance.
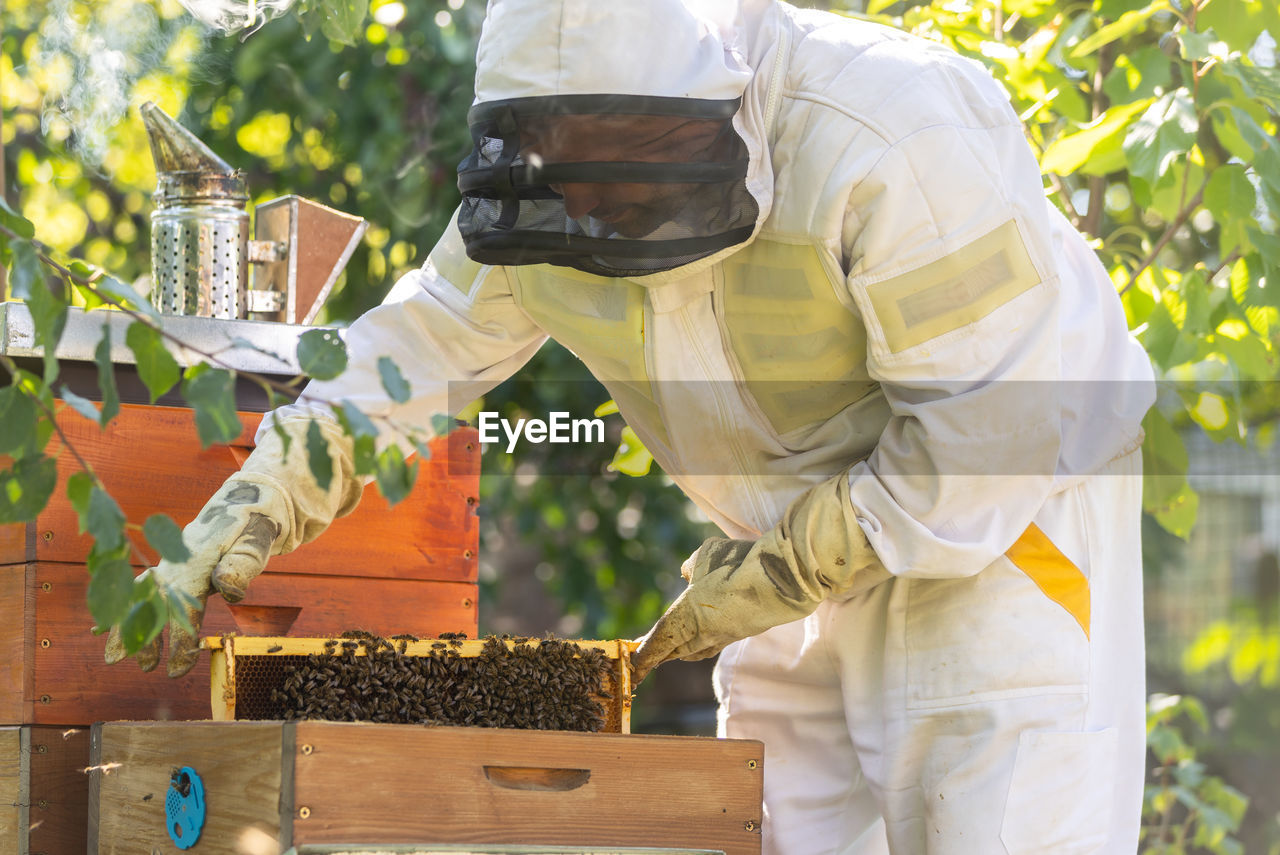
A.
x: 531, y: 778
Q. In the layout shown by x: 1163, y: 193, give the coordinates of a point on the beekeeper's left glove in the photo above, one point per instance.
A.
x: 739, y: 588
x: 270, y: 507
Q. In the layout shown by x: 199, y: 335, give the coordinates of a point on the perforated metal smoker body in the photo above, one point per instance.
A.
x: 199, y: 259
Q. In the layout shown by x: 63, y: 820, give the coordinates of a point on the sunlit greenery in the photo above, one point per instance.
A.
x: 1156, y: 123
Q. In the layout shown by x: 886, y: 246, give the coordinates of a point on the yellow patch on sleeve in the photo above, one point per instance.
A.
x: 955, y: 290
x: 451, y: 261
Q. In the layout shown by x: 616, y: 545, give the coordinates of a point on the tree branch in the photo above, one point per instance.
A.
x: 1091, y: 224
x: 1231, y: 259
x: 1181, y: 218
x: 266, y: 383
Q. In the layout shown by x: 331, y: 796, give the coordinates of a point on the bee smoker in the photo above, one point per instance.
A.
x: 201, y: 252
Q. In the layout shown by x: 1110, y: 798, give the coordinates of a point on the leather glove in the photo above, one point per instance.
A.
x: 739, y: 588
x: 270, y: 507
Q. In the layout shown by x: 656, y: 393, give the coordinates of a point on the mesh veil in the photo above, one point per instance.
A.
x: 611, y: 185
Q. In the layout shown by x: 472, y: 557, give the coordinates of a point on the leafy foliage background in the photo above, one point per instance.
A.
x: 1156, y: 123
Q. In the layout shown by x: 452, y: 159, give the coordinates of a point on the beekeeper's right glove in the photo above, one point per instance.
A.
x: 270, y: 507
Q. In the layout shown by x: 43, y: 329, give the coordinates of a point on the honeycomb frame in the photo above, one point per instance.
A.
x: 245, y: 669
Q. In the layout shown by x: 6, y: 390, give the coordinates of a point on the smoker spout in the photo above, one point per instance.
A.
x: 187, y: 170
x: 176, y: 149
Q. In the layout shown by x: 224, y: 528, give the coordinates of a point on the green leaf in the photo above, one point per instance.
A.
x: 83, y: 406
x: 1226, y: 128
x: 354, y: 422
x: 245, y: 344
x: 395, y: 477
x: 1228, y: 799
x: 1229, y: 193
x: 1166, y: 744
x: 18, y: 417
x: 1177, y: 514
x: 178, y: 603
x: 1162, y: 134
x: 1230, y: 197
x: 211, y: 392
x: 104, y: 520
x: 1189, y: 775
x: 110, y: 591
x: 1240, y: 22
x: 1200, y: 46
x: 156, y: 366
x: 48, y: 309
x: 106, y: 378
x: 1160, y: 338
x: 1194, y: 709
x: 38, y: 391
x: 1268, y: 247
x: 1165, y: 492
x: 165, y: 537
x: 83, y: 273
x: 26, y: 273
x: 358, y: 426
x: 322, y: 354
x: 109, y: 286
x: 1098, y: 142
x: 25, y: 488
x: 1173, y: 190
x: 1266, y: 157
x: 631, y: 457
x: 143, y: 622
x: 79, y: 490
x: 1194, y: 288
x: 15, y: 222
x: 1260, y: 83
x: 392, y: 380
x: 1163, y: 452
x: 343, y: 20
x: 318, y: 458
x: 441, y: 425
x: 1118, y: 29
x: 286, y: 439
x: 423, y: 450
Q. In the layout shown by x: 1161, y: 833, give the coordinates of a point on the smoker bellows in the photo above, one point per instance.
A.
x: 200, y: 247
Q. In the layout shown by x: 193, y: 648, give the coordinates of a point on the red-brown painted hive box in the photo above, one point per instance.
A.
x: 411, y: 568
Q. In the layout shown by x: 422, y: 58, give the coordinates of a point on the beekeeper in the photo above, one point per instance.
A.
x: 812, y: 260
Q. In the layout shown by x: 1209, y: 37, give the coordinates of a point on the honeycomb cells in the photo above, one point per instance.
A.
x: 538, y: 684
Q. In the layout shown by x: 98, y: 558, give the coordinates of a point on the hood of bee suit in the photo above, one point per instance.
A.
x: 608, y: 137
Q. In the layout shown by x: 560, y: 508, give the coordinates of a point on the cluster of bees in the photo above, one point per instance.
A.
x: 545, y: 684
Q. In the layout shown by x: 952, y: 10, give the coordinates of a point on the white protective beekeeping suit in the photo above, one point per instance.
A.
x: 851, y: 282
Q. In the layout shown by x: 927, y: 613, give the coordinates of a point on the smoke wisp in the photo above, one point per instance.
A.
x: 232, y: 16
x: 95, y: 54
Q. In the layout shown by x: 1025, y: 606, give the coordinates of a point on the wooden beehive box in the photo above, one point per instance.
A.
x: 272, y: 785
x: 509, y: 849
x: 44, y: 789
x: 244, y: 671
x: 411, y: 568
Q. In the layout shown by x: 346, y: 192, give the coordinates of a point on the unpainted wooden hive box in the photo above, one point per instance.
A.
x: 272, y: 785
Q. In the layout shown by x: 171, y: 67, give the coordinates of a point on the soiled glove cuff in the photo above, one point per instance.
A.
x: 309, y: 507
x: 823, y: 545
x: 739, y: 588
x: 817, y: 550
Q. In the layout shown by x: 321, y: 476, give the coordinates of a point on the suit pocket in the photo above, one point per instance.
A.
x: 1061, y: 795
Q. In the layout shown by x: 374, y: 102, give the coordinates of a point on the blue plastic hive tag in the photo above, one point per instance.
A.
x: 184, y: 807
